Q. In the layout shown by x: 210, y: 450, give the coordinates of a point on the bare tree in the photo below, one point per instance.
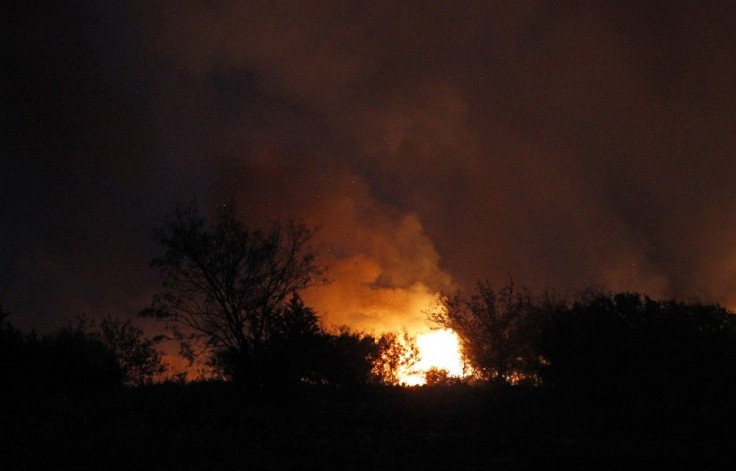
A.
x: 223, y: 284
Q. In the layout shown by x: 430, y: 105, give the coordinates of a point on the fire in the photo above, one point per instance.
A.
x: 437, y: 349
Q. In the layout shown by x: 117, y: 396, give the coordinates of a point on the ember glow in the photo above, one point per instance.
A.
x: 437, y: 349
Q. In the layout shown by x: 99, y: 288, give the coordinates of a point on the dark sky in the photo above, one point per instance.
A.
x: 564, y: 143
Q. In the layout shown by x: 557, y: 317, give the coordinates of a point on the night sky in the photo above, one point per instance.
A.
x: 566, y: 144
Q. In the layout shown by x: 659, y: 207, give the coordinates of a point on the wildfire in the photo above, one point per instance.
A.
x: 438, y: 349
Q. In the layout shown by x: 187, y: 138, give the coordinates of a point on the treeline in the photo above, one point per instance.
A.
x: 229, y: 296
x: 299, y: 350
x: 78, y: 357
x: 599, y: 344
x: 87, y: 356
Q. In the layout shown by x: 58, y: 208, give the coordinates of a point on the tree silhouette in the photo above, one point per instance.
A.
x: 74, y: 358
x: 294, y: 345
x: 224, y: 286
x: 497, y: 331
x: 14, y: 360
x: 79, y: 356
x: 136, y: 355
x: 348, y: 358
x: 439, y: 377
x: 395, y: 355
x: 630, y: 345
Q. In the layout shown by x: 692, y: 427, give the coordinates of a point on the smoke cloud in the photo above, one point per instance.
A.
x: 434, y: 144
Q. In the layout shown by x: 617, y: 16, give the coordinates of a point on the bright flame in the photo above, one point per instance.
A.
x: 437, y: 349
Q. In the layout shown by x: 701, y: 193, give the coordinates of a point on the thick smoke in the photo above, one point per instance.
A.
x: 436, y: 144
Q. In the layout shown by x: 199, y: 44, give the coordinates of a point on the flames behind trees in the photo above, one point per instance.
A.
x: 230, y: 295
x: 496, y: 328
x: 596, y: 343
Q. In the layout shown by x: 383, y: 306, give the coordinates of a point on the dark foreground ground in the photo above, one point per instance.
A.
x: 218, y: 426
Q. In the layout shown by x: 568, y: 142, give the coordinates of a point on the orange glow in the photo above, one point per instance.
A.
x: 437, y: 349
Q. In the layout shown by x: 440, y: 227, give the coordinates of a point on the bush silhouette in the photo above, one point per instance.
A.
x: 135, y: 354
x: 348, y: 358
x: 628, y: 344
x: 78, y: 357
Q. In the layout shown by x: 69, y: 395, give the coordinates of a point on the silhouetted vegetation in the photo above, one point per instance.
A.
x: 348, y: 358
x: 230, y: 295
x: 225, y: 288
x: 396, y: 354
x: 294, y: 347
x: 299, y: 350
x: 625, y: 346
x: 135, y: 354
x: 14, y: 357
x: 440, y: 377
x: 78, y: 357
x: 498, y: 331
x: 630, y: 346
x: 597, y: 381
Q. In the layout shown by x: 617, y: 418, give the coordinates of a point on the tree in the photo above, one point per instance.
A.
x: 72, y: 358
x: 225, y: 285
x: 396, y: 355
x: 496, y: 329
x: 295, y: 344
x: 349, y: 358
x: 629, y: 345
x: 136, y: 355
x: 439, y: 377
x: 13, y: 353
x: 78, y: 356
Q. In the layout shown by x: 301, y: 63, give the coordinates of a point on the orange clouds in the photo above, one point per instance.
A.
x: 434, y: 143
x: 566, y: 145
